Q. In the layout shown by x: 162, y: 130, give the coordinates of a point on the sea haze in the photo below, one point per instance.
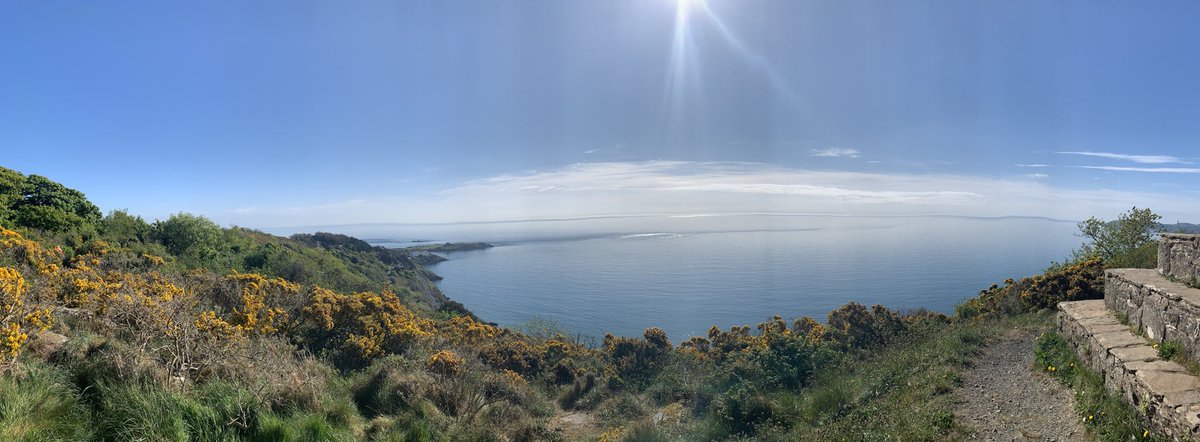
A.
x: 686, y: 280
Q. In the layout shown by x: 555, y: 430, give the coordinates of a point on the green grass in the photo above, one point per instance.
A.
x: 1105, y: 415
x: 39, y: 403
x: 901, y: 392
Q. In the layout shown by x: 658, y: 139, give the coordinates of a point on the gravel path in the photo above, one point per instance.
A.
x: 1004, y: 399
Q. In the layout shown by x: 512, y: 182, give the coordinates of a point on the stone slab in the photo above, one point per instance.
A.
x: 1164, y: 391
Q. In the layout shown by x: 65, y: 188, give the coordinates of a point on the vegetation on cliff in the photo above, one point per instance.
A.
x: 114, y: 328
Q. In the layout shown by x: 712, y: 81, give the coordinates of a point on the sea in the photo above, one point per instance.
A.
x: 685, y: 274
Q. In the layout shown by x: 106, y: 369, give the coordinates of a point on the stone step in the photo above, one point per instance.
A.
x: 1158, y: 308
x: 1162, y: 390
x: 1179, y: 256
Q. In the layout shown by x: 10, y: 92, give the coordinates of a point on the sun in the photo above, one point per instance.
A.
x: 686, y: 5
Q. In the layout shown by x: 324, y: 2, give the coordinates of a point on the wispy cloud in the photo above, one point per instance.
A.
x: 1141, y: 159
x: 834, y: 152
x: 685, y: 187
x: 1033, y: 165
x: 1144, y: 169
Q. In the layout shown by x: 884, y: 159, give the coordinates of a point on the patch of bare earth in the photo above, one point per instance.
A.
x: 1004, y: 398
x: 576, y: 425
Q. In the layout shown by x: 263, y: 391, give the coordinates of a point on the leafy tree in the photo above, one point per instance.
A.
x: 1130, y: 241
x: 189, y: 236
x: 123, y: 228
x: 11, y: 185
x: 47, y: 205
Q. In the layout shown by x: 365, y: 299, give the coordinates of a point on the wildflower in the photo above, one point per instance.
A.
x: 1090, y: 417
x: 1145, y: 433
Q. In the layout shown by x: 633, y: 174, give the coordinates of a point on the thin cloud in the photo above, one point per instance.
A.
x: 1144, y: 169
x: 834, y: 152
x: 1141, y: 159
x: 1033, y: 165
x: 685, y: 187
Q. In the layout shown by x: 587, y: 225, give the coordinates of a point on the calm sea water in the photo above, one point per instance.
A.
x: 686, y: 281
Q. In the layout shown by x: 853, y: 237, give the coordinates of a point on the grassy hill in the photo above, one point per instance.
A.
x: 116, y: 328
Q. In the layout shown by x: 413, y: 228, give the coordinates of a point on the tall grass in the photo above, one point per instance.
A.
x: 39, y: 403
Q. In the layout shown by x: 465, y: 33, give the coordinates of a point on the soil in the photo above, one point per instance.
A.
x: 1004, y: 398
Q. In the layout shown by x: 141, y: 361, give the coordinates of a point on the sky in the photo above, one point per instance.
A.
x: 270, y: 114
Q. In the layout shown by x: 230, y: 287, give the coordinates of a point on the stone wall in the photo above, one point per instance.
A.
x: 1160, y: 309
x: 1163, y: 391
x: 1179, y: 256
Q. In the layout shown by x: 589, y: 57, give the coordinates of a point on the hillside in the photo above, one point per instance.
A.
x: 115, y: 328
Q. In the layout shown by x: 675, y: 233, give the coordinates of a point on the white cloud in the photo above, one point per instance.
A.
x: 1037, y: 175
x: 1033, y: 165
x: 605, y: 189
x: 1141, y: 159
x: 1144, y: 169
x: 834, y: 152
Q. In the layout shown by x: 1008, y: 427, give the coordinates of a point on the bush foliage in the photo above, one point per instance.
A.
x: 183, y: 330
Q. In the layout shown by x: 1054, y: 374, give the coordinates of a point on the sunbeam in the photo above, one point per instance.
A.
x: 684, y: 86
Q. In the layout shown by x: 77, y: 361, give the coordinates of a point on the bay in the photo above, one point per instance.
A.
x: 677, y: 275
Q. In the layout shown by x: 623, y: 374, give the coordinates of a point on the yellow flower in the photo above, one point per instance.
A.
x: 13, y: 338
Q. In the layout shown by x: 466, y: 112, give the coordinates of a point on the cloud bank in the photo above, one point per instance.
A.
x: 688, y: 188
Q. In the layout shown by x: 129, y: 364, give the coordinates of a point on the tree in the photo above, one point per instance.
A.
x: 124, y: 228
x: 11, y: 185
x: 47, y: 205
x: 1130, y: 241
x: 189, y: 236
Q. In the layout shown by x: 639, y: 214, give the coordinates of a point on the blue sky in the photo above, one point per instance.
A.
x: 285, y: 113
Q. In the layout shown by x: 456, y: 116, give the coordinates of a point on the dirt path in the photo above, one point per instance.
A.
x: 1003, y: 399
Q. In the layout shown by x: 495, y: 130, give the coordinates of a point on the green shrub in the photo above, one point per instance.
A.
x: 1169, y: 349
x: 743, y: 410
x: 637, y: 361
x: 619, y: 409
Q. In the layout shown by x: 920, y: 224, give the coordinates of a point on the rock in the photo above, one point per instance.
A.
x: 45, y: 344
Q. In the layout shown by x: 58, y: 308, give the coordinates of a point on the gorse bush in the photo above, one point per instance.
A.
x: 1070, y: 282
x: 182, y: 330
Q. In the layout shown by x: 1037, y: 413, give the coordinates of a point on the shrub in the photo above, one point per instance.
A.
x: 188, y: 236
x: 634, y: 360
x: 854, y: 326
x: 355, y: 328
x: 743, y: 410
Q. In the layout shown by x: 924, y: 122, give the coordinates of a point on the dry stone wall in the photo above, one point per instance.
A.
x: 1160, y: 309
x: 1164, y: 391
x: 1179, y: 256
